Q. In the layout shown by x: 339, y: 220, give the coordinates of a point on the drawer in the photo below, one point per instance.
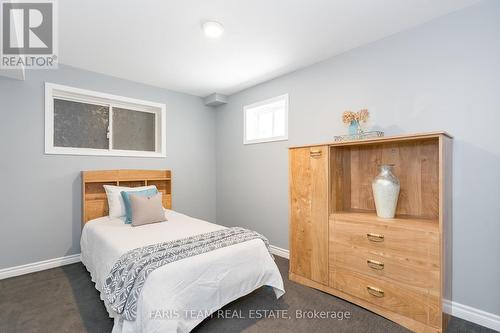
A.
x: 387, y: 295
x: 420, y: 276
x: 413, y: 245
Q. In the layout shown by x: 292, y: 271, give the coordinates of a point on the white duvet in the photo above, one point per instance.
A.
x: 178, y: 296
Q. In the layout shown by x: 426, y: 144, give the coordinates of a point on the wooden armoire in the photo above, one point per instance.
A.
x: 399, y: 268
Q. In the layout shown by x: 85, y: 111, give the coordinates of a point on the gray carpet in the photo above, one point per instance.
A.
x: 65, y: 300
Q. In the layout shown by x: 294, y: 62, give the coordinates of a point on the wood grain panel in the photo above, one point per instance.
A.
x: 407, y: 322
x: 340, y: 180
x: 402, y: 221
x: 94, y: 200
x: 100, y: 176
x: 415, y: 165
x: 392, y: 139
x: 420, y: 276
x: 96, y: 208
x: 446, y: 221
x: 143, y: 174
x: 392, y: 297
x: 132, y: 183
x: 96, y: 188
x: 161, y: 185
x: 309, y: 213
x: 411, y: 244
x: 167, y: 200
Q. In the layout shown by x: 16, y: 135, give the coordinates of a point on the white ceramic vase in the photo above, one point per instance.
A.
x: 386, y: 192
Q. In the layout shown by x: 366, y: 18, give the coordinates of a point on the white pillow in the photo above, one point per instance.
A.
x: 115, y: 200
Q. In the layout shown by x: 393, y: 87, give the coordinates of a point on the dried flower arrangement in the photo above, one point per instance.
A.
x: 356, y: 131
x: 360, y: 116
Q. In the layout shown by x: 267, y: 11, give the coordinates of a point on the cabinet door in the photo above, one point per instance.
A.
x: 309, y: 212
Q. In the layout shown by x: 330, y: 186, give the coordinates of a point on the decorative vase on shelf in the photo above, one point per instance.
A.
x: 354, y: 127
x: 386, y: 192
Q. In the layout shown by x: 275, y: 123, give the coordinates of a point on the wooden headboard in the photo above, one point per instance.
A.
x: 94, y: 200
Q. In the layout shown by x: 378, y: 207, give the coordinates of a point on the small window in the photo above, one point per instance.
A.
x: 83, y: 122
x: 266, y: 121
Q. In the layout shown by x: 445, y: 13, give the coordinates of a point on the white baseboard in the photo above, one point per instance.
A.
x: 38, y: 266
x: 471, y: 314
x: 278, y: 251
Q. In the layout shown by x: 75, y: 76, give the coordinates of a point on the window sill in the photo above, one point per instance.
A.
x: 251, y: 142
x: 101, y: 152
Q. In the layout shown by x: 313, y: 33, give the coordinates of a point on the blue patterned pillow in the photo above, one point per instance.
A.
x: 126, y: 200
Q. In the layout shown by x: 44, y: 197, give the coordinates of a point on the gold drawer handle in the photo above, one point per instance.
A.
x: 375, y: 264
x: 315, y: 153
x: 375, y: 291
x: 375, y: 237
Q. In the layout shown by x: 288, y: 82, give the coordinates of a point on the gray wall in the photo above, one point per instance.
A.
x: 40, y: 203
x: 444, y: 75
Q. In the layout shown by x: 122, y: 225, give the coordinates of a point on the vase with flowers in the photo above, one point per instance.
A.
x: 354, y: 120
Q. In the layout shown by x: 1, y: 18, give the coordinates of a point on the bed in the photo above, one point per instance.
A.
x: 178, y: 296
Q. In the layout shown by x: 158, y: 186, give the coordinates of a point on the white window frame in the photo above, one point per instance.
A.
x: 261, y: 103
x: 93, y: 97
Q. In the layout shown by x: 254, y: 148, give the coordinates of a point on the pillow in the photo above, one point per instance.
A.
x: 115, y: 200
x: 146, y: 210
x: 126, y: 200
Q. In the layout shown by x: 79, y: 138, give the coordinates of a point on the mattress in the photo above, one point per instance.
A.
x: 178, y: 296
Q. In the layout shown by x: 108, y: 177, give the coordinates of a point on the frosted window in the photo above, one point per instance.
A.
x: 80, y: 125
x: 85, y: 122
x: 133, y: 130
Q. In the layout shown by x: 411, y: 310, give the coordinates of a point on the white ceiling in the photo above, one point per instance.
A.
x: 161, y: 42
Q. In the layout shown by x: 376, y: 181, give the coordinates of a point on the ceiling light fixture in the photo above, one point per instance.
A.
x: 213, y: 29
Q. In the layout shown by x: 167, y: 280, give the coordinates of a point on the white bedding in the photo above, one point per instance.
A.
x: 178, y: 296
